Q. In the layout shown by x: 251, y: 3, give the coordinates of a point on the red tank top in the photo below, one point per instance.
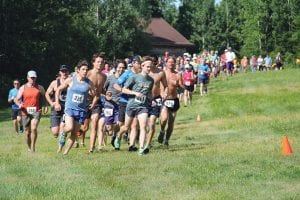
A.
x: 31, y: 100
x: 187, y: 78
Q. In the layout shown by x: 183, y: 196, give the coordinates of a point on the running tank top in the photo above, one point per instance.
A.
x: 63, y: 94
x: 187, y: 78
x: 31, y: 100
x: 77, y: 95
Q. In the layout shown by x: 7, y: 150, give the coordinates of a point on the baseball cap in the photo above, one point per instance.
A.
x: 137, y: 58
x: 31, y: 73
x: 63, y: 68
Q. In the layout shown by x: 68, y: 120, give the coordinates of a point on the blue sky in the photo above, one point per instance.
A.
x: 178, y: 2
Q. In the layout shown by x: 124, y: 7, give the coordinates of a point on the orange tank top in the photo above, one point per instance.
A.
x: 31, y: 100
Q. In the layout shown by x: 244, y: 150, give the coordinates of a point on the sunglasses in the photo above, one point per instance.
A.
x: 32, y: 77
x: 16, y: 83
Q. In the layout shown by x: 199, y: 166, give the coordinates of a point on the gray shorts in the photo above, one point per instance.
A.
x: 26, y: 119
x: 133, y: 112
x: 56, y: 118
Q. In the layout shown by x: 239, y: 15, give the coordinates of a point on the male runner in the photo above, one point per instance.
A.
x: 56, y: 118
x: 171, y: 103
x: 32, y: 101
x: 79, y: 87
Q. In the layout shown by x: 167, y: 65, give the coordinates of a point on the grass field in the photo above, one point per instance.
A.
x: 234, y: 152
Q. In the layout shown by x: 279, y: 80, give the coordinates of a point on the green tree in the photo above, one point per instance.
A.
x: 203, y: 19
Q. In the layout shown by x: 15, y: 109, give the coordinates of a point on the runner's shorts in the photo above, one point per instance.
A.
x: 172, y: 104
x: 78, y: 115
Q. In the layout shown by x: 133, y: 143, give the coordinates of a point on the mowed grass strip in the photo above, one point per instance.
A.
x: 234, y: 152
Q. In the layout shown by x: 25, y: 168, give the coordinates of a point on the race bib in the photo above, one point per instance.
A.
x: 187, y: 83
x: 158, y: 102
x: 31, y: 110
x: 108, y: 112
x: 141, y: 99
x: 77, y: 98
x: 170, y: 103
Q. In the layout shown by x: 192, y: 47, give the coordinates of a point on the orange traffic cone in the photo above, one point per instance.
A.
x: 198, y: 118
x: 286, y: 147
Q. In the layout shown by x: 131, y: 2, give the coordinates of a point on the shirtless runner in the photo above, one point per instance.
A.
x: 171, y: 102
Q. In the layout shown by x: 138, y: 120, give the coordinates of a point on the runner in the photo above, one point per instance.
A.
x: 98, y: 79
x: 138, y: 87
x: 108, y: 119
x: 56, y: 117
x: 159, y: 78
x: 32, y: 101
x: 188, y: 81
x: 136, y: 68
x: 230, y: 56
x: 15, y: 110
x: 79, y: 86
x: 109, y: 86
x: 203, y: 76
x: 171, y: 103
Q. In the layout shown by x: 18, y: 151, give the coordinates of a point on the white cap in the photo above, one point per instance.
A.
x: 31, y: 73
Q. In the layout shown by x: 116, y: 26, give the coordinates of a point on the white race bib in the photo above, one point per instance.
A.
x: 108, y: 112
x: 187, y: 83
x: 141, y: 99
x: 31, y: 110
x: 170, y: 103
x: 77, y: 98
x: 158, y: 102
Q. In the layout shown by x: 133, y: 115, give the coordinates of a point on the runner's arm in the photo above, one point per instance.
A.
x: 49, y: 91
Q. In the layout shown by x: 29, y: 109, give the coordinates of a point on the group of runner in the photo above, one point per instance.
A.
x: 126, y: 101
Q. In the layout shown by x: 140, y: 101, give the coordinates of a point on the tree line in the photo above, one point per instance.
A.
x: 43, y: 34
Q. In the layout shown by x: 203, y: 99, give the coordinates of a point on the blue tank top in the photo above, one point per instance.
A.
x: 77, y: 95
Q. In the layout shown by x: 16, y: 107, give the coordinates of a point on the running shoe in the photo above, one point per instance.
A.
x: 161, y: 136
x: 132, y: 148
x: 21, y: 130
x: 62, y: 139
x: 92, y: 150
x: 167, y: 143
x: 141, y: 151
x: 117, y: 143
x: 113, y: 138
x: 146, y: 150
x: 76, y: 144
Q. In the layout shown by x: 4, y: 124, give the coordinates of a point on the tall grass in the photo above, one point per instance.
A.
x: 234, y: 152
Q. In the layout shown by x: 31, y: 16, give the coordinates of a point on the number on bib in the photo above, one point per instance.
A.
x: 77, y: 98
x: 141, y: 99
x: 169, y: 103
x: 31, y: 110
x: 187, y: 83
x: 108, y: 112
x: 158, y: 102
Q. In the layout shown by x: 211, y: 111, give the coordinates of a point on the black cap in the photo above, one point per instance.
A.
x: 63, y: 67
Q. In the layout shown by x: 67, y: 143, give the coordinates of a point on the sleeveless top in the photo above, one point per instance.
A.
x: 62, y: 97
x: 77, y: 95
x: 31, y: 100
x: 187, y: 78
